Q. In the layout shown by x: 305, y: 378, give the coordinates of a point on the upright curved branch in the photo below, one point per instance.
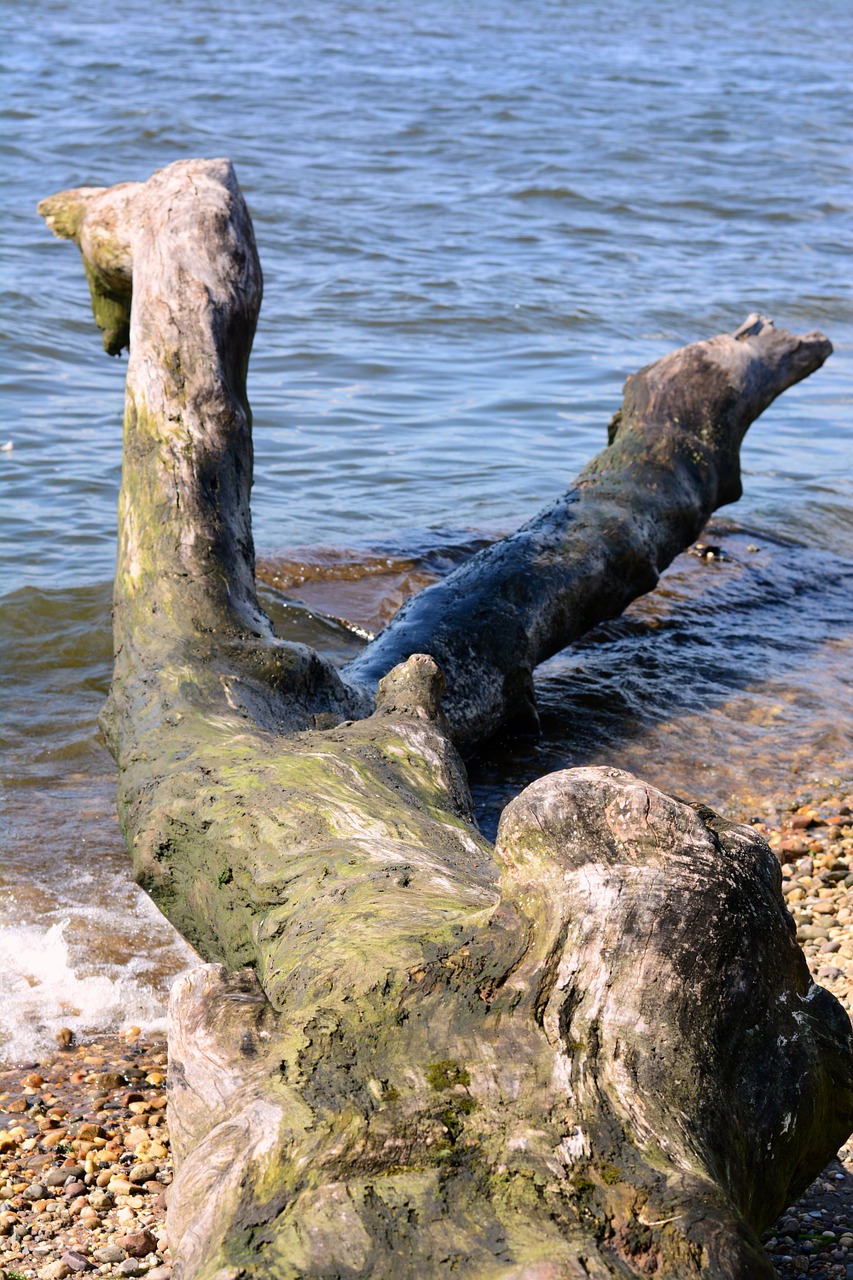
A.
x: 174, y: 275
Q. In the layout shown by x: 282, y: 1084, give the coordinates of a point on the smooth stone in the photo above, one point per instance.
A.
x: 56, y: 1270
x: 109, y: 1253
x: 77, y: 1261
x: 59, y: 1177
x: 130, y: 1267
x: 109, y: 1080
x: 87, y: 1132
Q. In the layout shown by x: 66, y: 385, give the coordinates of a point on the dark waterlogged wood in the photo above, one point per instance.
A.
x: 673, y: 459
x: 593, y: 1050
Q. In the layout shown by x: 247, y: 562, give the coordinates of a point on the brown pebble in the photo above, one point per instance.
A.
x: 56, y: 1270
x: 793, y: 845
x: 109, y: 1080
x: 76, y: 1261
x: 59, y: 1177
x: 88, y: 1132
x: 137, y: 1243
x: 134, y: 1137
x: 64, y: 1037
x: 53, y: 1137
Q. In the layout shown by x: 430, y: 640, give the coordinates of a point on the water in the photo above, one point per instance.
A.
x: 474, y: 221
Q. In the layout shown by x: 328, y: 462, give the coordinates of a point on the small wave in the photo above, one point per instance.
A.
x: 41, y: 991
x: 364, y: 587
x: 559, y: 193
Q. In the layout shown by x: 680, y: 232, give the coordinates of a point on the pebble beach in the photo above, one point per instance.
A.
x: 85, y: 1164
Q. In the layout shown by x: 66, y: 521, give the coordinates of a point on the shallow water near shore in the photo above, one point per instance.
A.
x: 473, y: 225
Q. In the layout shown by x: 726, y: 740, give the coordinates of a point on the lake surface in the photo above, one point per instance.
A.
x: 474, y: 221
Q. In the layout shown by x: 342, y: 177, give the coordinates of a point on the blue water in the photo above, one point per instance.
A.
x: 474, y: 221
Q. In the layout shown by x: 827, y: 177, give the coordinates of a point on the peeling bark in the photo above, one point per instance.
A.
x: 593, y: 1050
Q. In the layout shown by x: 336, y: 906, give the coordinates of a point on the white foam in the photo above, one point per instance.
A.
x: 40, y: 991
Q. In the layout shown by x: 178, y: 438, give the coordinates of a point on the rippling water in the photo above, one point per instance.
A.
x: 474, y: 221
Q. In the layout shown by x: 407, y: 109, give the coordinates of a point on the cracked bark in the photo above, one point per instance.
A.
x: 593, y: 1050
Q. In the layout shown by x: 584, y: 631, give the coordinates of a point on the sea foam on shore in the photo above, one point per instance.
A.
x: 44, y: 985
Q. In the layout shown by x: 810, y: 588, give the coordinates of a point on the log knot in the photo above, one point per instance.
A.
x: 412, y: 688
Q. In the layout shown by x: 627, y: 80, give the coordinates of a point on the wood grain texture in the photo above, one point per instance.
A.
x: 593, y: 1050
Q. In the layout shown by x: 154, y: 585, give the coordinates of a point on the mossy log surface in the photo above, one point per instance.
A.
x: 592, y: 1050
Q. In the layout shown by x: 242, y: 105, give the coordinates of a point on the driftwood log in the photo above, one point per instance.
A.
x: 593, y: 1050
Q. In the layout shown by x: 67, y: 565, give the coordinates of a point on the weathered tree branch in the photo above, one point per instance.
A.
x: 544, y: 1060
x: 673, y: 459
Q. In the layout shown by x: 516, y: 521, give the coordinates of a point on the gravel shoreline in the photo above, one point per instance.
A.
x: 813, y: 839
x: 85, y: 1164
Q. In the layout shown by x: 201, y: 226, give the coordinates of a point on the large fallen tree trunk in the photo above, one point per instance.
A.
x: 593, y: 1050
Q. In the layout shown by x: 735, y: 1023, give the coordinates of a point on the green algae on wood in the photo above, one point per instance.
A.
x: 413, y: 1053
